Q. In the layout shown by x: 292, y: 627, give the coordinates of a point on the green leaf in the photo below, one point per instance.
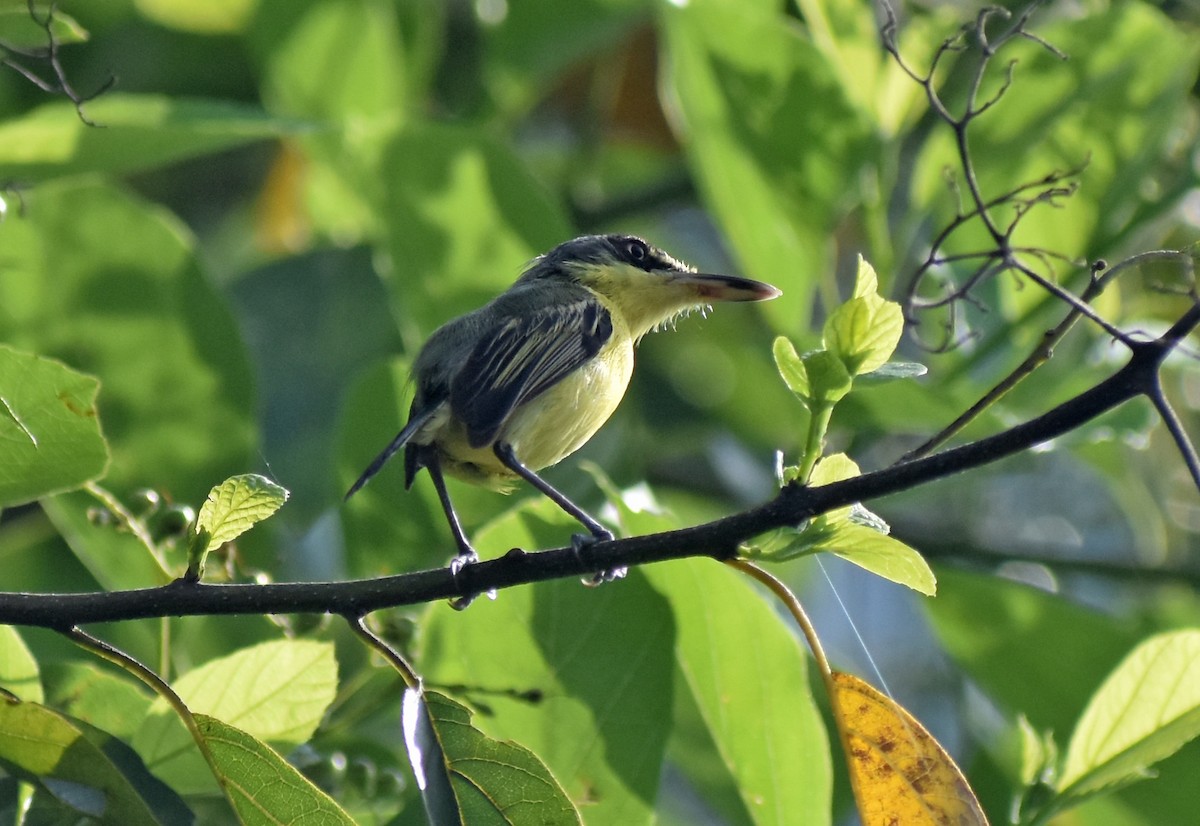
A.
x: 880, y: 554
x: 829, y: 469
x: 167, y: 806
x: 866, y: 282
x: 1145, y: 711
x: 111, y: 283
x: 492, y: 781
x: 19, y: 673
x: 597, y: 660
x: 42, y: 747
x: 276, y: 691
x: 238, y: 504
x: 894, y: 370
x: 213, y: 17
x: 50, y: 438
x: 140, y: 132
x: 749, y: 683
x: 638, y: 509
x: 263, y: 788
x: 865, y: 330
x: 828, y: 377
x: 835, y: 467
x: 98, y: 697
x: 791, y: 367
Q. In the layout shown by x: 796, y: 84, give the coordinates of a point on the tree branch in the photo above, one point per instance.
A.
x: 718, y: 539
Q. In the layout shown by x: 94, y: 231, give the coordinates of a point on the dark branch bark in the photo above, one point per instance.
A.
x: 718, y: 539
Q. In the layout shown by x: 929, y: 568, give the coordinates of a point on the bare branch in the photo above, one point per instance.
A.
x: 49, y: 55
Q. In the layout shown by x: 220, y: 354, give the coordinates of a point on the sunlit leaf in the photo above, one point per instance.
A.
x: 19, y: 674
x: 899, y: 773
x: 748, y: 682
x: 265, y: 789
x: 276, y: 691
x: 790, y: 366
x: 864, y: 332
x: 238, y: 504
x: 828, y: 377
x: 866, y: 282
x: 50, y: 437
x: 881, y: 554
x: 1145, y: 711
x: 43, y: 747
x: 833, y: 468
x: 210, y: 17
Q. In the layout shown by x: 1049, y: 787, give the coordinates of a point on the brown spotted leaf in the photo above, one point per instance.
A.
x: 900, y: 774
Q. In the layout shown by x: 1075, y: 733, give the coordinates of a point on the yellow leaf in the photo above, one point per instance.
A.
x: 900, y: 774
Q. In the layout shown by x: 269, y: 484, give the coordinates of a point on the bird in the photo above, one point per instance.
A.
x: 524, y: 381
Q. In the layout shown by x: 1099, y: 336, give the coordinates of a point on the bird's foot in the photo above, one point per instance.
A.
x: 462, y: 560
x: 582, y: 540
x: 465, y: 557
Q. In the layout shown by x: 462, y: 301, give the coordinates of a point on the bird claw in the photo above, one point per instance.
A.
x: 461, y: 603
x: 465, y: 558
x: 601, y: 577
x: 580, y: 541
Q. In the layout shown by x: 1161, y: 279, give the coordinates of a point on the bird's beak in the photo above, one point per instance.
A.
x: 709, y: 287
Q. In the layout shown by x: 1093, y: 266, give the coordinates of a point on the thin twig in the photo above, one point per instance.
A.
x: 49, y: 54
x: 156, y: 684
x: 407, y: 673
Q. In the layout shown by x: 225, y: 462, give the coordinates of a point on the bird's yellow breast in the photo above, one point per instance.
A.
x: 547, y: 429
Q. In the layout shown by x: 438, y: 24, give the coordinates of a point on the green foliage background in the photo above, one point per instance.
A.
x: 284, y: 197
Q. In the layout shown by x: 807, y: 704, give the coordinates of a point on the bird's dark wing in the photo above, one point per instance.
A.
x: 523, y: 356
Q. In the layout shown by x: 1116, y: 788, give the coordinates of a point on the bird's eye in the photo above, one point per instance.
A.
x: 636, y: 251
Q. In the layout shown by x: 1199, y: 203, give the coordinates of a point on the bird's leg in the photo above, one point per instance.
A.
x: 466, y: 554
x: 599, y: 533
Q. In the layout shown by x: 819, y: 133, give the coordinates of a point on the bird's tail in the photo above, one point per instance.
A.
x: 415, y: 423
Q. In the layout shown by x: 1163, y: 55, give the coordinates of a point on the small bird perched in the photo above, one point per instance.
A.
x: 526, y: 380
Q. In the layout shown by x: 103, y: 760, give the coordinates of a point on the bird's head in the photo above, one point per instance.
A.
x: 646, y: 285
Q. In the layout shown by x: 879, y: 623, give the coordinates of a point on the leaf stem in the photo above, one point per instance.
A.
x: 407, y: 673
x: 785, y: 595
